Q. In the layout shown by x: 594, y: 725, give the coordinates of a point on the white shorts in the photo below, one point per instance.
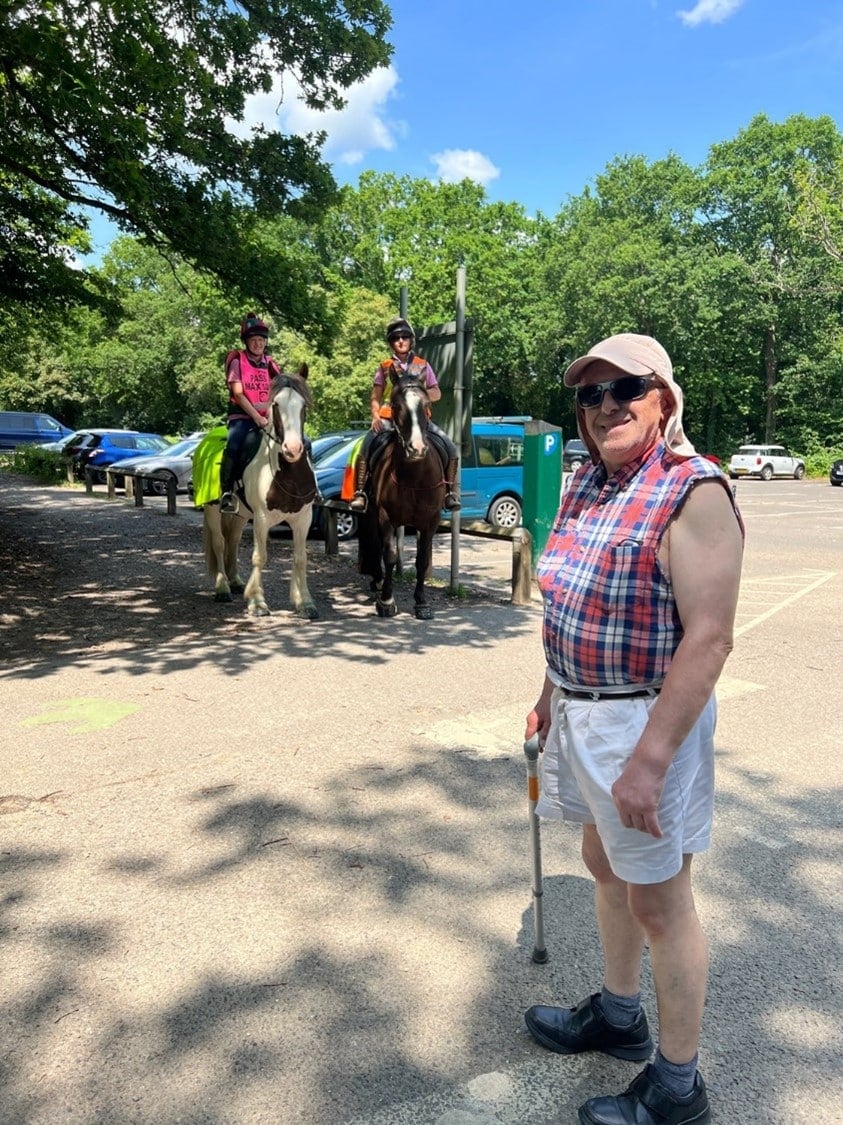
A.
x: 587, y: 748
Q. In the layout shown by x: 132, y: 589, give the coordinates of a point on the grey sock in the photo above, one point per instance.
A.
x: 677, y: 1078
x: 620, y: 1011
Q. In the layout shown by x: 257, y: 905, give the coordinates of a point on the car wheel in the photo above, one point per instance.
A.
x: 505, y: 512
x: 766, y: 473
x: 158, y: 485
x: 575, y: 464
x: 836, y: 483
x: 799, y: 472
x: 346, y: 525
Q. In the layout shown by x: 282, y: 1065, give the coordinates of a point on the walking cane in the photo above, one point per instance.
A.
x: 531, y: 753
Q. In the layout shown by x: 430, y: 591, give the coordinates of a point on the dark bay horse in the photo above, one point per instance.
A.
x: 407, y: 490
x: 278, y: 485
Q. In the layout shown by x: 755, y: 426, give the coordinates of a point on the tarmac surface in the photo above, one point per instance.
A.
x: 279, y: 871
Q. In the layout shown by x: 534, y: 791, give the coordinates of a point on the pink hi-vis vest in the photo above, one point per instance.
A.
x: 256, y: 379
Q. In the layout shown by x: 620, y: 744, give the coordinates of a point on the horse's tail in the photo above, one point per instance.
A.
x: 369, y: 545
x: 208, y: 543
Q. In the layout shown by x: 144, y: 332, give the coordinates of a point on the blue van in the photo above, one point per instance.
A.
x: 22, y: 427
x: 492, y: 478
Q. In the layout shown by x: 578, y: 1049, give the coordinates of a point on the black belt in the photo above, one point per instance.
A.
x: 596, y: 694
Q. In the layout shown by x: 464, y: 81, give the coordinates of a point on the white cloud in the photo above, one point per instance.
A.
x: 351, y: 132
x: 457, y: 164
x: 710, y: 11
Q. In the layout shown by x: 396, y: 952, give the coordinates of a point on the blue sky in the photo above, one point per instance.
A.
x: 534, y: 99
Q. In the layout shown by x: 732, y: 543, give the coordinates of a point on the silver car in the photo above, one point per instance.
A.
x: 177, y: 461
x: 765, y: 462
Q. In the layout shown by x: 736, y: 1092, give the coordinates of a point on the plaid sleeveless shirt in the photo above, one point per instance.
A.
x: 610, y: 618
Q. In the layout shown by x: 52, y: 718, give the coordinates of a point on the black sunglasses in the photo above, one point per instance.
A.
x: 627, y: 388
x: 400, y: 336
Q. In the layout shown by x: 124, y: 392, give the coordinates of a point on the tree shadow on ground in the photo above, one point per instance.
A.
x: 363, y: 954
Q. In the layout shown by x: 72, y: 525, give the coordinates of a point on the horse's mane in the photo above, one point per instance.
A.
x: 408, y: 383
x: 297, y: 381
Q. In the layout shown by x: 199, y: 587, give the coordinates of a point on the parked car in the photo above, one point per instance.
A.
x: 491, y: 482
x: 835, y: 473
x: 492, y: 473
x: 574, y: 453
x: 330, y: 469
x: 322, y: 445
x: 24, y: 427
x: 765, y: 462
x: 173, y: 463
x: 98, y: 448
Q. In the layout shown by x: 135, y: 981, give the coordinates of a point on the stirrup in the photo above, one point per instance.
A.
x: 359, y: 502
x: 229, y: 504
x: 452, y: 502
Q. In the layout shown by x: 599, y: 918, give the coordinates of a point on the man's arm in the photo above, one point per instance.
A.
x: 703, y: 555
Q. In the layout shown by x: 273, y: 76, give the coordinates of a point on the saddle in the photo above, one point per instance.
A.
x: 382, y: 439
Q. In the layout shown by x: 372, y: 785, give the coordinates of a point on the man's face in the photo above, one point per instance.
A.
x: 622, y: 432
x: 256, y: 345
x: 401, y: 345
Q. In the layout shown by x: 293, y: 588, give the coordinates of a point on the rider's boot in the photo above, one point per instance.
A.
x: 360, y: 501
x: 228, y: 475
x: 452, y: 490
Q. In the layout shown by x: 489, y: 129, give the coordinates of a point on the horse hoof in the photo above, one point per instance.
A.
x: 223, y: 598
x: 386, y: 609
x: 424, y: 612
x: 238, y: 587
x: 259, y: 611
x: 310, y: 612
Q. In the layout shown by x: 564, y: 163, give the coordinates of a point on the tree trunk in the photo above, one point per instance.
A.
x: 770, y: 372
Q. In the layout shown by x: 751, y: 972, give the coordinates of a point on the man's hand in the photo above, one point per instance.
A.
x: 636, y: 794
x: 538, y: 720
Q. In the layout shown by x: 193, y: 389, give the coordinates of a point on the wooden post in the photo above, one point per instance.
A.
x: 137, y: 485
x: 171, y: 496
x: 331, y: 538
x: 109, y: 483
x: 89, y: 480
x: 522, y: 567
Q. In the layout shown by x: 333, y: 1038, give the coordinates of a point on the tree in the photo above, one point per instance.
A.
x: 130, y: 107
x: 393, y: 230
x: 754, y: 184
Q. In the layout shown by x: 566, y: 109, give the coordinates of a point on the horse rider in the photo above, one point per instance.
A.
x: 248, y: 374
x: 402, y: 363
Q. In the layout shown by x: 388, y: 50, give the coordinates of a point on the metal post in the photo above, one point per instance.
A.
x: 458, y: 389
x: 531, y: 753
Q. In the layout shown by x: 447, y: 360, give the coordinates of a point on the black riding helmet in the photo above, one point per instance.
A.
x: 397, y: 327
x: 253, y: 326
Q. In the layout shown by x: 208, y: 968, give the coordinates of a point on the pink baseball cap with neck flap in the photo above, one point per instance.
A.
x: 632, y: 354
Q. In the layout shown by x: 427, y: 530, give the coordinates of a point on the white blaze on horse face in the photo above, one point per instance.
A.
x: 416, y: 443
x: 291, y: 411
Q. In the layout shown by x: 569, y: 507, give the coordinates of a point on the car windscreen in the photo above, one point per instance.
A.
x: 337, y: 456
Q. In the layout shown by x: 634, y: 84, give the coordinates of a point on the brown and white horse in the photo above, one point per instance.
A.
x: 279, y: 485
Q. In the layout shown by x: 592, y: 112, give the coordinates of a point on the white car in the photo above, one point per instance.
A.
x: 765, y: 462
x: 175, y: 462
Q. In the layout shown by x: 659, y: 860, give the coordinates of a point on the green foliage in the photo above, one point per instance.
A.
x: 736, y: 267
x: 41, y: 464
x: 132, y: 109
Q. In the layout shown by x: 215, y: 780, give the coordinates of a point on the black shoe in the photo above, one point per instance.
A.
x: 452, y: 502
x: 648, y: 1103
x: 569, y: 1031
x: 359, y: 502
x: 229, y: 504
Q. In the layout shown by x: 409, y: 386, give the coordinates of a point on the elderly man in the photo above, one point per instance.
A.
x: 640, y: 582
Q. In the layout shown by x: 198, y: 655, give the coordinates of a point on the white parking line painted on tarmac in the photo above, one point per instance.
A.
x: 801, y: 585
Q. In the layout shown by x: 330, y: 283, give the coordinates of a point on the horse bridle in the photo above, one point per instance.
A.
x: 277, y: 435
x: 407, y: 384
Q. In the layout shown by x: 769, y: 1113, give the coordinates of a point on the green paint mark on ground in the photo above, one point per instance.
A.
x: 84, y: 714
